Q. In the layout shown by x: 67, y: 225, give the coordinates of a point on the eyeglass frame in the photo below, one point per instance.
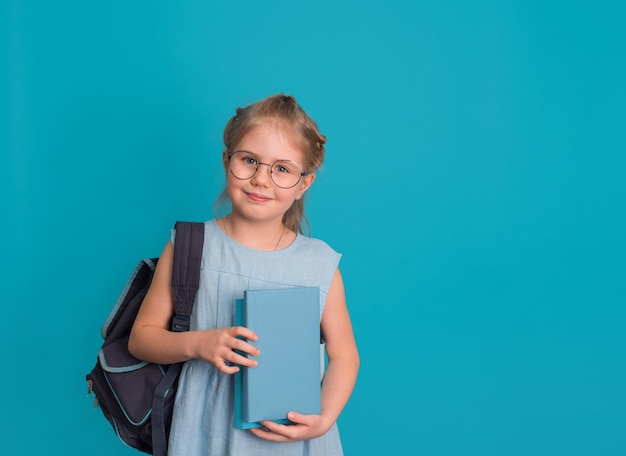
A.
x: 271, y: 166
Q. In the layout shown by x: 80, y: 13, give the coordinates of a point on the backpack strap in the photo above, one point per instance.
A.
x: 185, y: 283
x: 186, y: 271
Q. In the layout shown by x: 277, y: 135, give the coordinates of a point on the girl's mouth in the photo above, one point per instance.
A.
x: 257, y: 198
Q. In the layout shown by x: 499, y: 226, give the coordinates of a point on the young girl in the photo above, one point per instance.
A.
x: 272, y: 151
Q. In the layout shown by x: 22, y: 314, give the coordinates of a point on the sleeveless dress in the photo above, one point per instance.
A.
x: 202, y: 423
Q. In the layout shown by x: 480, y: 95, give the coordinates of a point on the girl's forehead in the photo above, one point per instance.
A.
x: 270, y: 139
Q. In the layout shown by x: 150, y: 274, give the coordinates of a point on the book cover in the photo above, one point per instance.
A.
x: 287, y: 377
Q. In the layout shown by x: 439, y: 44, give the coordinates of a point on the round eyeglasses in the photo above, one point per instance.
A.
x: 284, y: 173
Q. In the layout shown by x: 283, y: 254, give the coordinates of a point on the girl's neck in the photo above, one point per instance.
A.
x: 266, y: 236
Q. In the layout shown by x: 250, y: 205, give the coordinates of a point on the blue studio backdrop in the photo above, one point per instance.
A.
x: 474, y: 182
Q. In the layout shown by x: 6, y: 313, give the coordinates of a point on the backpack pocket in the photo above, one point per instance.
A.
x: 131, y: 381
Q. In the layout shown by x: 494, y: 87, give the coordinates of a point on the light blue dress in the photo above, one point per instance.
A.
x: 202, y: 423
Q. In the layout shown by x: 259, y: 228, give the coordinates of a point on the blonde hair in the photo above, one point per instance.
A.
x: 284, y: 109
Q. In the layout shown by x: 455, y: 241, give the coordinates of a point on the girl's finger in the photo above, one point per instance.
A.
x: 236, y: 358
x: 245, y: 347
x: 225, y: 368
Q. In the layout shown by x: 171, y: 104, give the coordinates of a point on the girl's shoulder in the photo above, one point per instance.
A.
x: 313, y: 245
x: 314, y: 242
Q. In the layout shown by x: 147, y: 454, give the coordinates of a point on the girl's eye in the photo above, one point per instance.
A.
x: 282, y: 168
x: 249, y: 160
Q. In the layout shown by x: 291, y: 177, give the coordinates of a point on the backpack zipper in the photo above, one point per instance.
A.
x: 96, y: 402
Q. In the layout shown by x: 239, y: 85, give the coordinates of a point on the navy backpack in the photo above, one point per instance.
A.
x: 137, y: 397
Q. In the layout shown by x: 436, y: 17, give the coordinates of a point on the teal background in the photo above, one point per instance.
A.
x: 474, y: 183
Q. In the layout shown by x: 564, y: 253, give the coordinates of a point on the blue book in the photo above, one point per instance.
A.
x: 287, y: 377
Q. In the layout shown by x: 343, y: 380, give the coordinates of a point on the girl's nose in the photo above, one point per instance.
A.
x: 262, y: 175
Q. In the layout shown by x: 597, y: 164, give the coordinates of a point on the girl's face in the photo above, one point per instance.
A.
x: 258, y: 198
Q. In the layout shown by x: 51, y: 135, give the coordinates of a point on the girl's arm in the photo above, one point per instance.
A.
x: 151, y: 340
x: 340, y: 377
x: 343, y: 356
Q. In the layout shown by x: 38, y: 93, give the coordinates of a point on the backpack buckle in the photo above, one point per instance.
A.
x: 180, y: 323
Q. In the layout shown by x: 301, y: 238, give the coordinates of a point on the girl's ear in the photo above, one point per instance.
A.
x: 307, y: 181
x: 225, y: 159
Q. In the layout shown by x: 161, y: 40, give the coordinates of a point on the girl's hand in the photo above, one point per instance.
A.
x: 304, y: 427
x: 217, y: 347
